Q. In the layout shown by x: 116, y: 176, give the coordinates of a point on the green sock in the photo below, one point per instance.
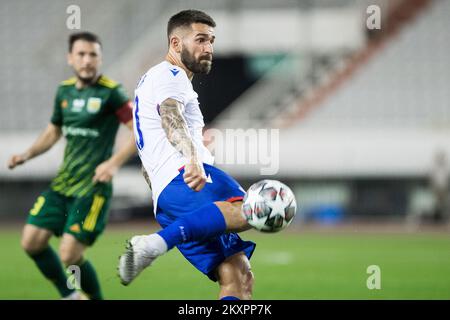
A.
x: 48, y: 262
x: 88, y: 280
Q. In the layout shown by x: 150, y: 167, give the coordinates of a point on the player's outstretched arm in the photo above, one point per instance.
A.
x: 106, y: 170
x: 44, y: 142
x: 178, y: 135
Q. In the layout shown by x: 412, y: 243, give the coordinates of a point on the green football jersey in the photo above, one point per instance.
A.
x: 89, y: 119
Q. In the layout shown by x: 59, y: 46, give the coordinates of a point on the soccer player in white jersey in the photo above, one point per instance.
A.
x: 197, y: 205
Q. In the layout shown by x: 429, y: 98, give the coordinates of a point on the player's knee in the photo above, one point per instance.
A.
x: 32, y: 245
x: 232, y: 214
x: 69, y: 257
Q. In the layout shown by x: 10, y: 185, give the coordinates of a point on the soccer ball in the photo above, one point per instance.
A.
x: 269, y: 206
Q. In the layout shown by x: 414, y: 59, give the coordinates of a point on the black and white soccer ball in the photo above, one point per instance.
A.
x: 269, y: 206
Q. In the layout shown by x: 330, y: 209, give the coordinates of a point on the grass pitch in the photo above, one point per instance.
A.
x: 287, y: 265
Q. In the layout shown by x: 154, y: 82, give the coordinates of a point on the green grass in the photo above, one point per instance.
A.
x: 286, y: 266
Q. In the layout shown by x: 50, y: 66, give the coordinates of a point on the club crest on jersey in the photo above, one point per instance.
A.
x: 64, y: 104
x: 94, y: 104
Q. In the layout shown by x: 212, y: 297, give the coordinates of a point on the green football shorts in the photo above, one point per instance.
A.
x: 85, y: 218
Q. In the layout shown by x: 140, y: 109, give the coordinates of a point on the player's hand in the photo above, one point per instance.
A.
x: 105, y: 171
x: 16, y: 160
x: 194, y: 176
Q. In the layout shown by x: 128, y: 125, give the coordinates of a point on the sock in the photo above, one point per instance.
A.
x: 203, y: 223
x: 50, y: 265
x: 230, y: 298
x: 88, y: 280
x: 158, y: 242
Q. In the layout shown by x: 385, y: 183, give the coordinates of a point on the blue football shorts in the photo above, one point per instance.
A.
x: 177, y: 199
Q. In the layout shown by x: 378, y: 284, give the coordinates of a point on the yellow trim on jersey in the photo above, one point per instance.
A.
x: 69, y: 82
x: 107, y: 82
x: 91, y: 219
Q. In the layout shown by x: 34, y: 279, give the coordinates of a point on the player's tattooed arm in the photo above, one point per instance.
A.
x: 178, y: 134
x: 176, y: 129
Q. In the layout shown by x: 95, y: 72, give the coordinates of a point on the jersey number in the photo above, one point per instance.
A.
x: 139, y: 138
x: 37, y: 206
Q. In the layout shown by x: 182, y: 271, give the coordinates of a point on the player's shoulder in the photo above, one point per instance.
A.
x: 168, y: 71
x: 103, y: 81
x: 107, y: 82
x: 68, y: 82
x: 162, y: 75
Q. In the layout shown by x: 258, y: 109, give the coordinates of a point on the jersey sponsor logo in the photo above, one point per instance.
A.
x: 174, y: 71
x: 80, y: 132
x: 78, y: 105
x: 94, y: 105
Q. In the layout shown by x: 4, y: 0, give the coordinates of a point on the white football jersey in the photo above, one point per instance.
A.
x: 159, y: 158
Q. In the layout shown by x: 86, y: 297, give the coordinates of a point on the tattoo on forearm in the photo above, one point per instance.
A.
x: 176, y: 128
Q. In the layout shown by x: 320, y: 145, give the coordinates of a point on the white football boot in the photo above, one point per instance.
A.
x: 140, y: 252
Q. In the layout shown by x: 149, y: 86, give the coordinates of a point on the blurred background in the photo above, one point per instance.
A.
x: 362, y: 113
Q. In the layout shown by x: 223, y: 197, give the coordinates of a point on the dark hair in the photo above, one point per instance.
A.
x: 86, y: 36
x: 187, y: 17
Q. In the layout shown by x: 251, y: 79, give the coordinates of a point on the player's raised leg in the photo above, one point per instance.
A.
x: 211, y: 220
x: 208, y: 221
x: 35, y: 243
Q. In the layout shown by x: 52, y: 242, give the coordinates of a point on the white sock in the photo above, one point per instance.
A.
x: 158, y: 242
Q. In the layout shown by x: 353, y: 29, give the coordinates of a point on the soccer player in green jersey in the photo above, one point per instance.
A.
x: 88, y: 110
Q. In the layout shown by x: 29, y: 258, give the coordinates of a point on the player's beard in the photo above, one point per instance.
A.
x: 87, y: 80
x: 193, y: 65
